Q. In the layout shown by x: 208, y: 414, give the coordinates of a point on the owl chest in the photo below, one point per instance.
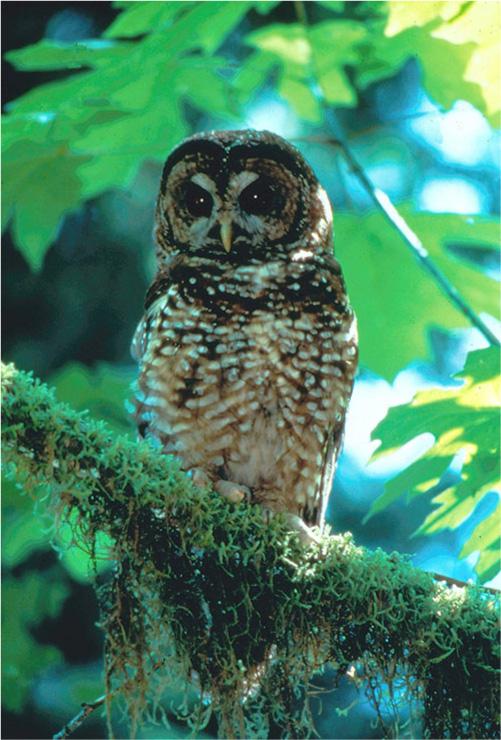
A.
x: 244, y: 375
x: 254, y: 360
x: 236, y: 394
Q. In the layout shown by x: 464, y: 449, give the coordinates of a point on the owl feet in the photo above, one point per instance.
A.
x: 306, y: 534
x: 235, y: 493
x: 199, y: 477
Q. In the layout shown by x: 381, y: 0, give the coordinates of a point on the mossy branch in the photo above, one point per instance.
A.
x: 239, y: 601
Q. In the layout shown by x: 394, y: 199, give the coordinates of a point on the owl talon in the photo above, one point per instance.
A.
x: 199, y: 478
x: 306, y: 534
x: 233, y: 492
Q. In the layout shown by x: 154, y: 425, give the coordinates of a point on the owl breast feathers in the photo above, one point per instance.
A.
x: 248, y: 345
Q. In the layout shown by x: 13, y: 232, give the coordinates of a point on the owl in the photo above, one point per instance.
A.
x: 248, y: 344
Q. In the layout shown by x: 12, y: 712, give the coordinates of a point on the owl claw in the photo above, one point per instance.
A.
x: 199, y: 478
x: 306, y: 534
x: 233, y: 492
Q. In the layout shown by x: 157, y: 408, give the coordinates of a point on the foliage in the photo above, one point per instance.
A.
x: 102, y: 391
x: 333, y: 601
x: 28, y: 531
x: 22, y: 654
x: 69, y: 140
x: 460, y: 24
x: 397, y: 316
x: 464, y: 421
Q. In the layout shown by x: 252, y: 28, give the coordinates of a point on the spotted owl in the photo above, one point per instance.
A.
x: 248, y: 344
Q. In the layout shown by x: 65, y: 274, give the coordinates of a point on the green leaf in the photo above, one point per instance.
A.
x: 73, y: 139
x: 146, y: 71
x: 336, y: 87
x: 104, y: 172
x: 336, y: 6
x: 94, y: 129
x: 47, y: 55
x: 199, y: 25
x: 253, y: 74
x: 80, y: 91
x: 471, y: 33
x: 337, y: 42
x: 30, y: 599
x: 395, y: 299
x: 414, y: 480
x: 202, y: 84
x: 404, y: 15
x: 41, y: 186
x: 335, y: 46
x: 103, y: 391
x: 320, y: 54
x: 301, y: 98
x: 147, y: 133
x: 444, y: 68
x: 443, y: 65
x: 216, y: 20
x: 263, y: 7
x: 479, y: 24
x: 24, y: 530
x: 114, y: 151
x: 462, y: 420
x: 486, y: 540
x: 139, y: 18
x: 288, y: 43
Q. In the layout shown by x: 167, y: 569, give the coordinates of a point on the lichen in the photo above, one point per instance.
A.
x: 235, y: 606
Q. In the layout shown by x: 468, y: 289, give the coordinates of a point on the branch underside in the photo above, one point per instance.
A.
x: 237, y: 604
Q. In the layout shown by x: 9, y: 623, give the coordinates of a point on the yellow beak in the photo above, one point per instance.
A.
x: 226, y: 235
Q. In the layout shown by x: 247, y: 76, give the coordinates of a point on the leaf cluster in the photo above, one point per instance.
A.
x: 128, y: 95
x: 463, y: 421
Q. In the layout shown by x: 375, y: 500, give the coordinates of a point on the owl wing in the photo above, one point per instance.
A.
x: 152, y: 305
x: 139, y: 341
x: 335, y: 434
x: 140, y: 345
x: 331, y: 453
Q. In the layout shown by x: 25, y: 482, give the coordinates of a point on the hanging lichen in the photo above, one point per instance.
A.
x: 211, y: 595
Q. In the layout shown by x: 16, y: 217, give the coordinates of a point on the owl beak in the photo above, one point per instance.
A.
x: 226, y: 235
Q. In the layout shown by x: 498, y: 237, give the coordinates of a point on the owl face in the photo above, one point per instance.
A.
x: 240, y: 196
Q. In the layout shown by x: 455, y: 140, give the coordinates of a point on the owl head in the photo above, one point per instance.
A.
x: 242, y: 197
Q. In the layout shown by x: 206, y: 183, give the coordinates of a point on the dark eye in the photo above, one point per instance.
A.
x: 197, y: 200
x: 261, y: 197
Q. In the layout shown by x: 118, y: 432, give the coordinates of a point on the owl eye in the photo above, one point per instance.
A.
x: 260, y: 198
x: 197, y: 200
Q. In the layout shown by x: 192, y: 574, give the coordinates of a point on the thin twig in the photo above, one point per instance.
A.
x: 89, y: 707
x: 463, y: 584
x: 78, y: 719
x: 415, y: 244
x: 300, y: 11
x: 384, y: 203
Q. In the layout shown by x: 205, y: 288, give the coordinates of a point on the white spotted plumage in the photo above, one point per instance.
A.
x: 247, y: 356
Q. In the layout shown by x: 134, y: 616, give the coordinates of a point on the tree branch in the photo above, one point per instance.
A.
x: 383, y: 202
x: 217, y: 589
x: 73, y: 725
x: 461, y: 584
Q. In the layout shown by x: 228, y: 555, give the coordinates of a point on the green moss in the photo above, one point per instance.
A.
x: 215, y: 596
